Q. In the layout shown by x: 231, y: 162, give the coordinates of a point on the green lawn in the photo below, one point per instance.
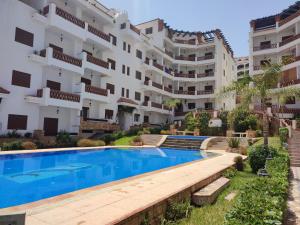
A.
x: 124, y: 141
x: 214, y: 214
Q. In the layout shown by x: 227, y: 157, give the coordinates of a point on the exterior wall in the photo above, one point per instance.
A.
x: 51, y: 28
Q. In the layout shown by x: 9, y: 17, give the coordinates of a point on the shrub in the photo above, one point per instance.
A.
x: 28, y: 145
x: 242, y: 120
x: 283, y: 134
x: 258, y: 133
x: 230, y: 173
x: 258, y: 156
x: 239, y: 163
x: 14, y: 145
x: 13, y: 134
x: 164, y: 132
x: 90, y: 143
x: 263, y: 200
x: 233, y: 142
x: 178, y: 210
x: 137, y: 139
x: 63, y: 139
x: 132, y: 131
x: 203, y: 122
x: 155, y: 130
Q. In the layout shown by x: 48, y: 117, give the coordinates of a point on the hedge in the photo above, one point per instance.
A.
x: 263, y: 201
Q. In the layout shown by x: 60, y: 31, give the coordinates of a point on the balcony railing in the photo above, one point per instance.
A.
x: 156, y: 105
x: 95, y: 90
x: 181, y: 92
x: 70, y: 17
x: 188, y: 42
x: 97, y: 61
x: 136, y: 30
x: 289, y: 18
x: 205, y: 92
x: 169, y: 53
x: 166, y: 108
x: 155, y: 64
x: 264, y: 47
x: 290, y: 83
x: 157, y: 85
x: 185, y: 58
x: 180, y: 113
x: 206, y: 57
x: 60, y: 95
x: 255, y: 68
x: 167, y: 89
x: 98, y: 33
x: 208, y: 74
x: 66, y: 58
x: 187, y: 75
x: 288, y: 40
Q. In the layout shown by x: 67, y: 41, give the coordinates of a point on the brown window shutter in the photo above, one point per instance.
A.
x: 17, y: 122
x: 53, y: 85
x: 109, y: 114
x: 20, y: 79
x: 111, y: 88
x: 24, y: 37
x: 137, y: 96
x: 86, y: 81
x: 112, y: 63
x: 56, y: 48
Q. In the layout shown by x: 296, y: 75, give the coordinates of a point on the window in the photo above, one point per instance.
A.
x: 114, y: 39
x: 127, y: 93
x: 20, y: 79
x: 138, y: 75
x: 123, y: 69
x: 17, y: 122
x: 139, y: 54
x: 123, y: 92
x: 146, y: 119
x: 191, y: 105
x: 109, y: 114
x: 137, y: 96
x: 112, y: 63
x: 129, y: 48
x: 128, y: 71
x: 56, y: 85
x: 24, y: 37
x: 123, y: 26
x: 149, y: 30
x: 137, y: 117
x: 208, y: 106
x: 110, y: 87
x: 224, y: 73
x: 124, y: 45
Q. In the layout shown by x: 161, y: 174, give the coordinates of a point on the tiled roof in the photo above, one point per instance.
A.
x: 127, y: 100
x: 4, y: 91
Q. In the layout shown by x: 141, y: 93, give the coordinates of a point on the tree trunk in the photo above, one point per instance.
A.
x: 265, y: 129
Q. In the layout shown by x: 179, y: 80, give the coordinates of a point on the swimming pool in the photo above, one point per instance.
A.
x: 30, y: 177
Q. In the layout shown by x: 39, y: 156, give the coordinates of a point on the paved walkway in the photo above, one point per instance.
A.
x: 109, y: 204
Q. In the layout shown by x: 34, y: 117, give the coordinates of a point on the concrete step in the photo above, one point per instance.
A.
x: 208, y: 194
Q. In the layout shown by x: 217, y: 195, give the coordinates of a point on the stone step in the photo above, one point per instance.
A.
x: 208, y: 194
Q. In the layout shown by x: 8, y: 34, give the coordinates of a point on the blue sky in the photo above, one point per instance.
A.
x: 231, y: 16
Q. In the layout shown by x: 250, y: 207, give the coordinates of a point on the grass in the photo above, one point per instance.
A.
x: 214, y: 214
x: 124, y: 141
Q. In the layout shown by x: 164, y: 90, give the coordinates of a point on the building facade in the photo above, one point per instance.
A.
x: 242, y: 66
x: 275, y: 39
x: 81, y: 67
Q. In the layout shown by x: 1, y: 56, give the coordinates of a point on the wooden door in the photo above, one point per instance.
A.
x: 50, y: 126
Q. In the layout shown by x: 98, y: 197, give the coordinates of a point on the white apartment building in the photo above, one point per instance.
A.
x: 242, y: 66
x: 276, y: 39
x: 83, y: 68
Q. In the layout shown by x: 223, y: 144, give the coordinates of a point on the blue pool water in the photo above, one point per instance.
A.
x: 26, y: 178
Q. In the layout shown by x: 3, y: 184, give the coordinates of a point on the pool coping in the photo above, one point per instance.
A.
x: 23, y: 207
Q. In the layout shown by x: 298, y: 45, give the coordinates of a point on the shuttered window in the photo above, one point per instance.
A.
x: 111, y: 88
x: 109, y: 114
x: 53, y: 85
x: 17, y: 122
x: 24, y: 37
x: 138, y: 75
x: 139, y: 54
x: 112, y: 63
x: 127, y: 93
x: 137, y: 96
x: 20, y: 79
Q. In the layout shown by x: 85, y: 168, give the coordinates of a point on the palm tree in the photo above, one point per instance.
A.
x: 261, y: 88
x: 171, y: 103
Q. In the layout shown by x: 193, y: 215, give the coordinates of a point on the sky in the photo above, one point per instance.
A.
x: 231, y: 16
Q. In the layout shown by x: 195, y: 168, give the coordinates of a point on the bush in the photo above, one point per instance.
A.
x: 263, y: 200
x: 28, y: 145
x: 137, y: 139
x: 258, y: 133
x: 90, y: 143
x: 233, y: 142
x: 283, y: 134
x: 178, y: 210
x: 257, y: 157
x: 230, y: 173
x: 14, y: 145
x: 155, y: 130
x: 63, y: 139
x: 239, y: 163
x: 13, y: 134
x: 242, y: 120
x: 164, y: 132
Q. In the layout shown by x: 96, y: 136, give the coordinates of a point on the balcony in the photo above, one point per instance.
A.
x: 186, y: 58
x: 159, y: 88
x: 183, y: 75
x: 50, y: 97
x: 3, y: 93
x: 206, y: 57
x: 52, y: 57
x: 289, y: 40
x: 97, y: 124
x: 130, y: 30
x: 151, y: 106
x: 96, y: 64
x: 187, y: 42
x: 98, y: 37
x: 158, y: 66
x: 92, y: 92
x: 289, y: 83
x: 265, y: 47
x: 205, y: 92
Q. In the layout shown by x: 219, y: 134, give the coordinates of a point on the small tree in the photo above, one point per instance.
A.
x: 260, y: 87
x: 171, y: 103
